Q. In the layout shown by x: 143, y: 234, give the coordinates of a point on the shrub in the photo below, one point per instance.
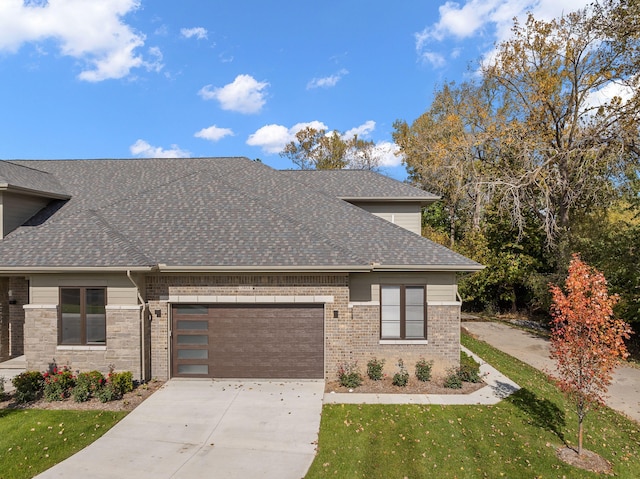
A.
x: 401, y: 378
x: 423, y: 370
x: 28, y: 386
x: 107, y: 393
x: 1, y: 388
x: 58, y: 384
x: 453, y: 381
x: 349, y: 376
x: 469, y: 370
x: 122, y: 382
x: 87, y: 386
x: 374, y: 369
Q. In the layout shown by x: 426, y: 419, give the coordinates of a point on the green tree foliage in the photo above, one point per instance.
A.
x: 318, y: 150
x: 528, y: 154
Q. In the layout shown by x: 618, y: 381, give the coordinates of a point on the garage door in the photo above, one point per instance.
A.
x: 248, y: 341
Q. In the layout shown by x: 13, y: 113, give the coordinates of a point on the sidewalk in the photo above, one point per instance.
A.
x: 624, y: 392
x: 11, y: 368
x: 498, y: 387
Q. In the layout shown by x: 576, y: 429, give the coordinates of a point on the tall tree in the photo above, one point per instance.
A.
x: 448, y: 150
x: 587, y: 342
x: 577, y: 109
x: 319, y: 150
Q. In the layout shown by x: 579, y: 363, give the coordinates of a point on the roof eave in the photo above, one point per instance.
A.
x: 465, y: 268
x: 14, y: 270
x: 424, y: 200
x: 163, y: 268
x: 32, y: 192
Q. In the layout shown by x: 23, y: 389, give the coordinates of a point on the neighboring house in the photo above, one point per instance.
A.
x: 219, y: 267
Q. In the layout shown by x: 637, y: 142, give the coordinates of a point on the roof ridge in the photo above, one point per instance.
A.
x: 128, y: 244
x: 292, y: 219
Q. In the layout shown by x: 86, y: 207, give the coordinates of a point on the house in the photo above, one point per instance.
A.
x: 219, y: 267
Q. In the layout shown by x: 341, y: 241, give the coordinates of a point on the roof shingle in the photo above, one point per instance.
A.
x: 211, y: 213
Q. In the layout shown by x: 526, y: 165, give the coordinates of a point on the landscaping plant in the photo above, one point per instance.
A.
x: 58, y: 383
x: 587, y: 342
x: 87, y: 385
x: 423, y: 370
x: 349, y: 376
x: 28, y: 386
x: 374, y: 369
x: 469, y: 370
x: 453, y: 379
x: 401, y: 378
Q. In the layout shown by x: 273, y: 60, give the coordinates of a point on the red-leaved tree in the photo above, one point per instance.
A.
x: 587, y: 342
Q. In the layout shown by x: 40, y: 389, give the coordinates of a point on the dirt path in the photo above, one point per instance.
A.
x: 624, y: 392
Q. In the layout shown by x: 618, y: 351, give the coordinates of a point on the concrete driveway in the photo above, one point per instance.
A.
x: 624, y: 392
x: 203, y: 428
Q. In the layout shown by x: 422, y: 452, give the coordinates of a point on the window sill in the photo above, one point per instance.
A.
x: 404, y: 341
x: 80, y: 347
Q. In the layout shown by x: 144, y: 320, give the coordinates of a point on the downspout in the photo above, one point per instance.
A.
x: 143, y: 366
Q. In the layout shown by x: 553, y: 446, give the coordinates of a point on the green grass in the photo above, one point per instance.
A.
x: 516, y: 438
x: 33, y: 440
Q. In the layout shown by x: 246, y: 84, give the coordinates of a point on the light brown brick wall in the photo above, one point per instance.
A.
x: 160, y: 287
x: 443, y: 336
x: 122, y: 350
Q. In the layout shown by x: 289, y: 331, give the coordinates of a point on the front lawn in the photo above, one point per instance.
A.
x: 33, y: 440
x: 516, y: 438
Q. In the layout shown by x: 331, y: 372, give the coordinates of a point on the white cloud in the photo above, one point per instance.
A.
x: 144, y: 150
x: 198, y: 32
x: 213, y: 133
x: 362, y: 130
x: 244, y: 95
x: 91, y: 31
x: 388, y: 154
x: 273, y: 138
x: 491, y: 19
x: 327, y: 82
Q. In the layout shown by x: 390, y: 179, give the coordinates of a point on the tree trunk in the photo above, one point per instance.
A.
x: 580, y: 437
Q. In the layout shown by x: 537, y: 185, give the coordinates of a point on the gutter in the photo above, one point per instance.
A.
x: 143, y: 345
x: 163, y: 268
x: 428, y: 267
x: 74, y: 269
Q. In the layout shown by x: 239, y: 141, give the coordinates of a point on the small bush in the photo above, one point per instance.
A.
x: 401, y: 378
x: 28, y: 386
x: 349, y: 376
x: 374, y: 369
x: 2, y: 393
x: 469, y: 370
x: 87, y: 386
x: 423, y: 370
x: 122, y: 382
x: 453, y: 381
x: 58, y: 384
x: 107, y: 393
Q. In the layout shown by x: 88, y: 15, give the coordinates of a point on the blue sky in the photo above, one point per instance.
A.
x: 158, y: 78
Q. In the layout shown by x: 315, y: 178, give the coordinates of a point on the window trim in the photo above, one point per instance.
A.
x: 403, y: 304
x: 83, y: 316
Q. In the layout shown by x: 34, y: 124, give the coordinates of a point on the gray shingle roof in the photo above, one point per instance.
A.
x: 216, y: 213
x: 32, y: 180
x: 359, y: 184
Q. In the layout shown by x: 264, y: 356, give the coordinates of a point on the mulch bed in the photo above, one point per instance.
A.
x: 128, y: 402
x: 589, y: 461
x: 385, y: 386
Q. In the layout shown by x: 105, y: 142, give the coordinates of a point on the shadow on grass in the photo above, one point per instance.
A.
x: 542, y: 412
